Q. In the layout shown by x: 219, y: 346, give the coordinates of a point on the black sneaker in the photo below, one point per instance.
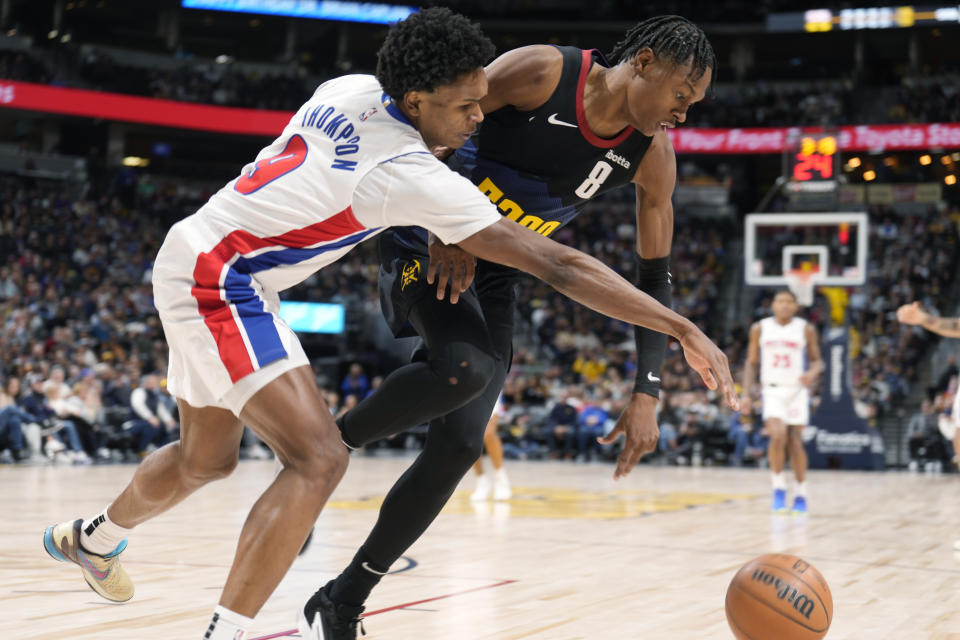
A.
x: 323, y: 619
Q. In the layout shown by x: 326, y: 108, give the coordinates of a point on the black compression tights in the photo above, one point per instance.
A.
x: 420, y: 392
x: 459, y: 367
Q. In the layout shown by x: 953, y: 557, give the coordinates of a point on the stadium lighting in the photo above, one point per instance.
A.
x: 135, y: 161
x: 925, y: 159
x: 319, y: 9
x: 955, y: 156
x: 950, y: 180
x: 859, y: 18
x: 854, y: 162
x: 945, y: 160
x: 870, y: 175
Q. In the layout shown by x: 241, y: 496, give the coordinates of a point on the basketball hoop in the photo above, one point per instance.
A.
x: 801, y: 283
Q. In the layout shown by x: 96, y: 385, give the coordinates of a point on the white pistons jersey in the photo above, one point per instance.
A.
x: 348, y: 165
x: 783, y: 351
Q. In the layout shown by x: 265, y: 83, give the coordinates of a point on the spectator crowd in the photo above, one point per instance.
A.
x: 83, y: 357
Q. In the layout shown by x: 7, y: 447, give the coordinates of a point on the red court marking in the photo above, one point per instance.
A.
x: 282, y: 634
x: 290, y: 632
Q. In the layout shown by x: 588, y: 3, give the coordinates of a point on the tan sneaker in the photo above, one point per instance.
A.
x: 104, y: 574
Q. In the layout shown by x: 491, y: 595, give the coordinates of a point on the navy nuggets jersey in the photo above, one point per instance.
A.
x: 540, y: 166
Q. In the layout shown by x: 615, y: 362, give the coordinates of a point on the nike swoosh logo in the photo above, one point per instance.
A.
x: 651, y: 377
x: 553, y: 120
x: 372, y: 570
x: 97, y: 573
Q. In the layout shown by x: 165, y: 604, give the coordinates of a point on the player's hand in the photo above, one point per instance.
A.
x: 705, y: 358
x: 807, y: 378
x: 454, y: 266
x: 638, y: 423
x: 911, y: 314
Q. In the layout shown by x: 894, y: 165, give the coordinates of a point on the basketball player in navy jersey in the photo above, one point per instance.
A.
x: 563, y: 125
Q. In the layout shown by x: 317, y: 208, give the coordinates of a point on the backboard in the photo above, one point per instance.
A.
x: 834, y: 244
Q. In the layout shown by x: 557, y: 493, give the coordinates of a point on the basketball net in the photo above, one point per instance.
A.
x: 801, y: 282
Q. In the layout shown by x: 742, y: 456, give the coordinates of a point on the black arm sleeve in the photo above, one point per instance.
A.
x: 653, y: 278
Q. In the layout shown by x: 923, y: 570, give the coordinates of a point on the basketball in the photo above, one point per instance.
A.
x: 779, y: 597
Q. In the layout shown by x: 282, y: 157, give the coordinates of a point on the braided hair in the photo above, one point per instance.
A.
x: 672, y: 38
x: 429, y: 49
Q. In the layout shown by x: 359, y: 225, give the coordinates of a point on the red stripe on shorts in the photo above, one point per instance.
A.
x: 216, y: 312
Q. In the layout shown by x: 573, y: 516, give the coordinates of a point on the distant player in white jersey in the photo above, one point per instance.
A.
x: 493, y: 445
x: 787, y: 349
x: 355, y: 159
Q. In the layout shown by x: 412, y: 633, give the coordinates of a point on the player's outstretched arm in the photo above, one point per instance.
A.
x: 914, y: 314
x: 590, y: 282
x: 654, y: 182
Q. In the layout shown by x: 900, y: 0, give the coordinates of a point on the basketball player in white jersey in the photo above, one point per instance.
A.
x: 787, y: 349
x: 355, y: 159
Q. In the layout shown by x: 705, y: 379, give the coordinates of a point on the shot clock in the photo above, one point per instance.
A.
x: 815, y: 159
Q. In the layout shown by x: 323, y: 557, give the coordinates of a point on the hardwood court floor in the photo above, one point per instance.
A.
x: 573, y: 555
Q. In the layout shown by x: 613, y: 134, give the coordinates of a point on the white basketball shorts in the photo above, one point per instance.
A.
x: 790, y: 404
x: 226, y: 338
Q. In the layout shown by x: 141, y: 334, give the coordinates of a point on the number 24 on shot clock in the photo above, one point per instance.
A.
x: 814, y: 160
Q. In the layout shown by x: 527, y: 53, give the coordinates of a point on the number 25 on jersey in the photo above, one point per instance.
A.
x: 781, y: 361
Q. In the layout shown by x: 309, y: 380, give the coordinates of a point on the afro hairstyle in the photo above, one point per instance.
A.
x: 430, y: 48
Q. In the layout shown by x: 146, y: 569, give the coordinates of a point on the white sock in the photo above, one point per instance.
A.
x: 101, y: 535
x: 227, y: 625
x: 801, y: 490
x: 502, y: 475
x: 779, y: 480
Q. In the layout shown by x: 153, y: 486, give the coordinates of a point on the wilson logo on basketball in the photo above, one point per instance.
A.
x: 803, y: 604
